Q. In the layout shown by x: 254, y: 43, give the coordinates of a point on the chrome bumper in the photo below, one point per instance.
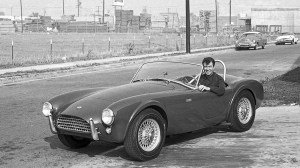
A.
x: 94, y: 131
x: 52, y: 127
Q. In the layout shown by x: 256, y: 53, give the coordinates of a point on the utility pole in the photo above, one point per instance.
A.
x: 11, y: 10
x: 63, y: 7
x: 188, y: 29
x: 216, y: 4
x: 103, y: 12
x: 78, y: 5
x: 21, y: 14
x: 230, y: 13
x: 98, y: 11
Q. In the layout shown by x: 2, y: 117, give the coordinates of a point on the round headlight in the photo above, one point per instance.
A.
x: 47, y: 108
x: 107, y: 116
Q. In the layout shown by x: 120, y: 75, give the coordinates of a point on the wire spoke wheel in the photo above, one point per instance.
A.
x: 149, y: 135
x: 244, y: 110
x: 146, y: 135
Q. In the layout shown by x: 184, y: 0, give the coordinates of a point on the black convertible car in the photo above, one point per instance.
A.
x: 162, y: 99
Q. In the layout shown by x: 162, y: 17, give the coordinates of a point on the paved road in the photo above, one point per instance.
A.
x: 274, y: 140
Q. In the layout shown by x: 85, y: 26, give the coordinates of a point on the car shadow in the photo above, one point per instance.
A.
x: 92, y: 150
x: 171, y: 140
x: 118, y: 150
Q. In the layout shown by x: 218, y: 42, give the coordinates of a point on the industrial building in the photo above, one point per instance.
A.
x: 276, y: 19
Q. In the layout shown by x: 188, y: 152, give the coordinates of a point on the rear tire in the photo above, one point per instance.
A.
x: 146, y: 135
x: 74, y: 141
x: 263, y: 46
x: 242, y: 112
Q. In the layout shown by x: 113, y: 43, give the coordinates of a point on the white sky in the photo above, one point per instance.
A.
x: 54, y: 7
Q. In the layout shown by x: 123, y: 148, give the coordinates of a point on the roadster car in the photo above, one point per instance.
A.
x: 161, y: 99
x: 286, y: 38
x: 251, y: 40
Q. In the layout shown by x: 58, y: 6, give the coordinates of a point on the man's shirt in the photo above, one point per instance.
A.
x: 215, y: 82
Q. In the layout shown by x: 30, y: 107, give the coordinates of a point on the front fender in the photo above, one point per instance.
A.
x: 126, y: 115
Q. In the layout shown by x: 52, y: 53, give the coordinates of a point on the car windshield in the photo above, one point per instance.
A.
x: 251, y: 35
x: 178, y: 72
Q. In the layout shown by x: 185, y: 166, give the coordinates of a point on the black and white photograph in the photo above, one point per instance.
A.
x: 149, y: 83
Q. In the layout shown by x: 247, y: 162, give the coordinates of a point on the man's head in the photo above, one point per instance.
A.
x: 208, y: 65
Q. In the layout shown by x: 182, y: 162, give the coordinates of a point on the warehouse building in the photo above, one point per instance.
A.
x: 276, y: 19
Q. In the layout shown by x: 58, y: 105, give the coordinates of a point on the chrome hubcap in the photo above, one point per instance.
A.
x: 149, y: 135
x: 244, y: 110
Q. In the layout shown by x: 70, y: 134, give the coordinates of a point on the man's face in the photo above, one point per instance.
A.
x: 208, y: 69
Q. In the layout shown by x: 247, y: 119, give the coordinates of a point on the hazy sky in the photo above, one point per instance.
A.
x: 54, y: 7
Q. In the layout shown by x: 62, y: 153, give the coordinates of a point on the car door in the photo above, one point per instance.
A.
x: 210, y: 107
x: 181, y: 117
x: 259, y: 39
x: 190, y: 110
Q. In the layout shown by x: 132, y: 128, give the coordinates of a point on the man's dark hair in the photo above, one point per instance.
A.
x: 208, y: 60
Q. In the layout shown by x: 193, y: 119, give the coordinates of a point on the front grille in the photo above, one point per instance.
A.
x: 72, y: 123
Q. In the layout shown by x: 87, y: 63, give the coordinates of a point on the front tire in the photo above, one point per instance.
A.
x: 74, y: 141
x: 146, y: 135
x: 292, y: 43
x: 255, y: 47
x: 242, y: 112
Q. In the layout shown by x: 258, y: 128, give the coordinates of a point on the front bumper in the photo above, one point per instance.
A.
x: 284, y: 41
x: 244, y: 45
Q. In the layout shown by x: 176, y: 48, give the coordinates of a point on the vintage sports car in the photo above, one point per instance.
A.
x: 286, y: 38
x: 162, y: 99
x: 251, y: 40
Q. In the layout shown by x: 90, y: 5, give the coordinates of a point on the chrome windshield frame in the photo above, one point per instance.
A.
x: 197, y: 76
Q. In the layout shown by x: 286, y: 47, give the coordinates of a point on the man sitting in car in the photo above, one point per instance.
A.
x: 210, y: 80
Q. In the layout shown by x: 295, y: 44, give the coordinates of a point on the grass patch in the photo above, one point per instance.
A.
x: 34, y: 49
x: 283, y: 89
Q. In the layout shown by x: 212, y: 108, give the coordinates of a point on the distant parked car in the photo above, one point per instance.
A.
x: 286, y: 38
x: 251, y: 40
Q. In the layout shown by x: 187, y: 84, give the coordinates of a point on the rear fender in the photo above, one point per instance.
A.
x: 254, y: 87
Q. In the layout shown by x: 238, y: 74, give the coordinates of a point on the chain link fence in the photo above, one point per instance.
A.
x: 42, y: 48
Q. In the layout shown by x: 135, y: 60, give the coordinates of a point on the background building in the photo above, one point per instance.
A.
x: 287, y: 18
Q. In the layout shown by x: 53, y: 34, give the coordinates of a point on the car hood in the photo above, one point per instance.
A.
x: 92, y: 105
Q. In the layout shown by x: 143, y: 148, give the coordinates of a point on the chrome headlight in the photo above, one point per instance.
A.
x: 108, y: 116
x: 47, y: 108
